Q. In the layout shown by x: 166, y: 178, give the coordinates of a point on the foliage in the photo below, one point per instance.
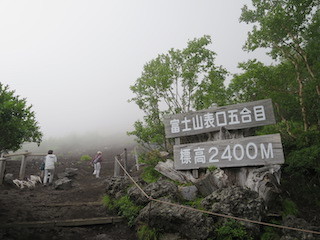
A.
x: 17, y: 121
x: 147, y: 233
x: 107, y: 201
x: 124, y: 206
x: 151, y: 159
x: 212, y: 168
x: 149, y: 133
x: 232, y: 230
x: 176, y: 82
x: 289, y: 208
x: 262, y: 82
x: 150, y: 175
x: 196, y: 203
x: 127, y: 209
x: 85, y: 158
x: 270, y: 234
x: 290, y: 29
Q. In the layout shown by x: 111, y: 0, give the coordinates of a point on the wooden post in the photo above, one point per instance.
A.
x: 2, y: 168
x: 116, y: 167
x: 23, y: 166
x: 136, y: 158
x: 195, y: 173
x: 125, y: 164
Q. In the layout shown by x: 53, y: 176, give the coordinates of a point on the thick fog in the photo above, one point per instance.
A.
x: 74, y: 60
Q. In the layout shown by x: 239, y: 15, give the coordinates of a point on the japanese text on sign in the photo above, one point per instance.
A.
x: 219, y: 119
x: 252, y: 151
x: 232, y: 117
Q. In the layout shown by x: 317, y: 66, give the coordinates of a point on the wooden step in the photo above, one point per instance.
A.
x: 64, y: 223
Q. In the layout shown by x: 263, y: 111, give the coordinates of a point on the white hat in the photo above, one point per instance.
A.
x: 99, y: 152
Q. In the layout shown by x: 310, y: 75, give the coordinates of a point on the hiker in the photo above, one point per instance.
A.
x: 41, y: 168
x: 49, y: 167
x: 96, y: 162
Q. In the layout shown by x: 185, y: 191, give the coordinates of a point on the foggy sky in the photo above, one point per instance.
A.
x: 74, y: 60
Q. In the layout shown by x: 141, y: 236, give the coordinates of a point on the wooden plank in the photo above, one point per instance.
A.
x: 17, y: 154
x: 237, y: 116
x: 37, y: 154
x: 125, y: 163
x: 72, y: 204
x: 89, y: 221
x: 136, y: 158
x: 116, y: 172
x: 64, y: 223
x: 23, y: 167
x: 250, y: 151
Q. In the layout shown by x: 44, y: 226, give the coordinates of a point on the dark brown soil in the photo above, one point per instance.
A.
x: 41, y: 204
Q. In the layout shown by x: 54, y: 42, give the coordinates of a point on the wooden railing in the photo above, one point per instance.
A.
x: 24, y: 155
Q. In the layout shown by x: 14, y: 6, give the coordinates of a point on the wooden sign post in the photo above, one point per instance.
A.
x: 231, y: 117
x: 237, y: 152
x: 240, y: 152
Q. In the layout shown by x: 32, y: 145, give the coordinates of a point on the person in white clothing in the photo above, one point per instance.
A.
x: 49, y: 167
x: 96, y: 162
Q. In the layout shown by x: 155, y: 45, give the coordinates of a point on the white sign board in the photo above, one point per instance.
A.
x: 250, y: 151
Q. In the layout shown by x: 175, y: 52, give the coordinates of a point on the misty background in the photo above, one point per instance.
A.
x: 74, y: 60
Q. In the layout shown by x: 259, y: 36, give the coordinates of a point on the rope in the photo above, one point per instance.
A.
x: 213, y: 213
x: 144, y: 193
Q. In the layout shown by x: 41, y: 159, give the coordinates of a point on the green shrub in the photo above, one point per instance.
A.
x: 127, y: 209
x: 289, y: 208
x: 147, y: 233
x: 270, y: 234
x: 107, y: 201
x: 196, y: 203
x: 212, y: 168
x: 150, y: 175
x: 232, y: 230
x: 85, y: 158
x: 150, y: 159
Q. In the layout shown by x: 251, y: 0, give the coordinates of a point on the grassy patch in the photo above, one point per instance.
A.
x: 289, y: 208
x: 195, y: 204
x: 124, y: 206
x: 107, y: 201
x: 127, y: 209
x: 212, y: 168
x: 232, y: 230
x: 85, y: 158
x: 147, y: 233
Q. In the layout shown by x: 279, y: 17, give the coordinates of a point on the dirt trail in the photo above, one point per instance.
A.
x: 46, y: 203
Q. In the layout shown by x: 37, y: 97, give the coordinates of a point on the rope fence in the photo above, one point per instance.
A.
x: 213, y: 213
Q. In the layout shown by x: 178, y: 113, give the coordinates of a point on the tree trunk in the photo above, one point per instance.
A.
x: 301, y: 99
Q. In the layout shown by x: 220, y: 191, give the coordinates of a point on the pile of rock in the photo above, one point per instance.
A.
x: 64, y: 181
x: 248, y: 199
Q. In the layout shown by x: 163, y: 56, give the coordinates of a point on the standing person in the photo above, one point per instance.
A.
x: 49, y: 167
x: 96, y: 161
x: 42, y: 165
